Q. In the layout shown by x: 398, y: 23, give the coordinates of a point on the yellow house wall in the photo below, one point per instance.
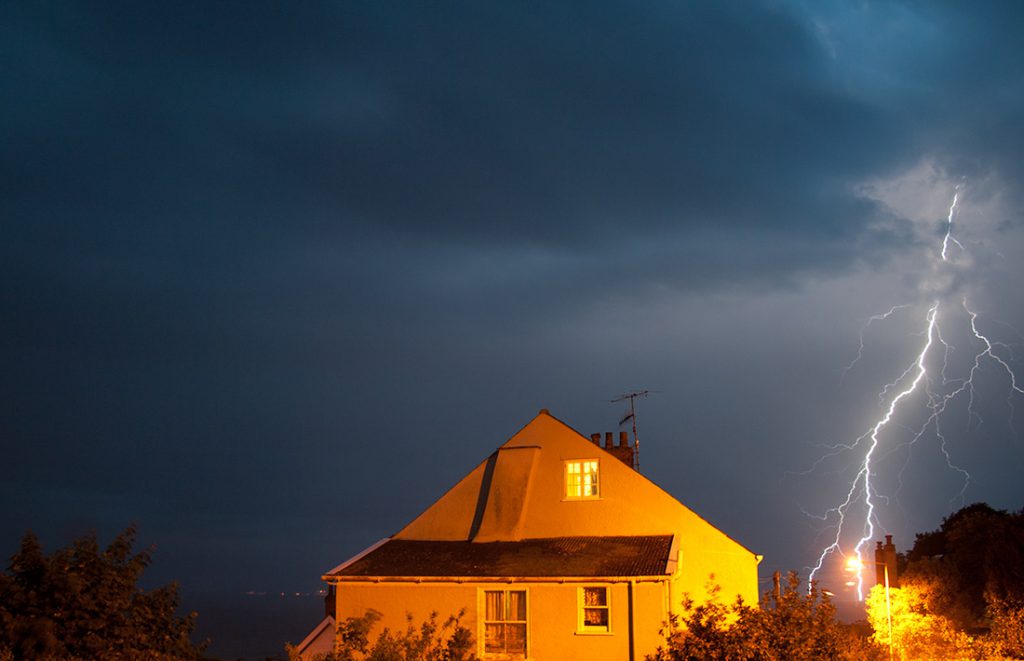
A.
x: 394, y: 600
x: 650, y: 612
x: 552, y: 620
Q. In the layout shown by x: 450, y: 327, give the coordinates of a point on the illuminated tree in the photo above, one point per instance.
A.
x: 917, y: 631
x: 82, y: 602
x: 961, y: 592
x: 1006, y: 638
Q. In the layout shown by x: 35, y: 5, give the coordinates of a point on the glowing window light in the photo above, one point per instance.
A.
x: 581, y: 479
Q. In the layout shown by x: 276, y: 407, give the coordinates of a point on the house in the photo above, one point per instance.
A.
x: 556, y: 547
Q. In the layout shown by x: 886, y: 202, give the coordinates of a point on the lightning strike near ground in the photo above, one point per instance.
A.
x: 928, y: 384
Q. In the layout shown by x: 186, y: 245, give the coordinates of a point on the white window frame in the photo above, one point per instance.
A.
x: 483, y: 621
x: 581, y: 465
x: 581, y: 605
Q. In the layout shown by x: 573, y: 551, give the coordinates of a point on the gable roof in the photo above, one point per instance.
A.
x: 530, y: 558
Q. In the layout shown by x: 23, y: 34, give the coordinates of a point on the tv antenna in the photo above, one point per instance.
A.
x: 632, y: 397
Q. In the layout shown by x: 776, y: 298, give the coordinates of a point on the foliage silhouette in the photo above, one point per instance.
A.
x: 82, y: 602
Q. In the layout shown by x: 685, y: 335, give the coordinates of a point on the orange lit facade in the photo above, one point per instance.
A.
x: 555, y: 547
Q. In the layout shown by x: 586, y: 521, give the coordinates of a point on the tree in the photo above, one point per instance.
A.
x: 793, y: 624
x: 961, y: 593
x: 82, y: 602
x: 1006, y: 637
x: 917, y: 631
x: 974, y: 558
x: 797, y: 623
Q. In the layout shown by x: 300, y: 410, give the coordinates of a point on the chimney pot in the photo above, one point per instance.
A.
x: 596, y: 439
x: 624, y: 439
x: 609, y: 440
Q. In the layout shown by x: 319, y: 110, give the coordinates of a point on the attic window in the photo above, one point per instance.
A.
x: 581, y: 479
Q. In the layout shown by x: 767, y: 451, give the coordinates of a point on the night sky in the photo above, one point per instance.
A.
x: 274, y: 276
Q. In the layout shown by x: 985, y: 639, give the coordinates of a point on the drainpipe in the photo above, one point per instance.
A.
x: 629, y: 600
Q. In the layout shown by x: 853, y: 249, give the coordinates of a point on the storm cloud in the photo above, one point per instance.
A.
x: 275, y: 276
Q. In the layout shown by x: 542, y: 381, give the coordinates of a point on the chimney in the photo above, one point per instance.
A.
x: 330, y: 602
x: 624, y: 451
x: 596, y: 439
x: 885, y: 562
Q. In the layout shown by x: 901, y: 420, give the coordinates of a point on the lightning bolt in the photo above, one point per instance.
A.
x: 949, y: 228
x: 858, y: 508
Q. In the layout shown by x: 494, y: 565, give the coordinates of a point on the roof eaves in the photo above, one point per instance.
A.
x: 645, y: 578
x: 356, y: 558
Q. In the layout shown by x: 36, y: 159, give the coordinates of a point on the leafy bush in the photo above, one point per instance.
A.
x: 794, y: 624
x: 449, y: 641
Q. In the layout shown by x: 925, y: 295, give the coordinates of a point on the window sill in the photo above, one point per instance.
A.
x: 582, y: 632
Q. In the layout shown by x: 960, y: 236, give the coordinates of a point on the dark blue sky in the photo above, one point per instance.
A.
x: 273, y: 277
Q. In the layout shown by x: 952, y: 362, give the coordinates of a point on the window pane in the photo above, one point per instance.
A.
x: 517, y: 606
x: 595, y: 617
x: 494, y: 637
x: 572, y: 479
x: 515, y: 638
x: 595, y: 597
x: 494, y: 604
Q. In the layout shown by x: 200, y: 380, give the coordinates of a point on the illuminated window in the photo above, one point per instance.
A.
x: 581, y: 479
x: 594, y: 611
x: 505, y: 623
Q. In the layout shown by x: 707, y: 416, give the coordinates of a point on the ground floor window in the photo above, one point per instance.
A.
x: 505, y: 622
x: 594, y: 609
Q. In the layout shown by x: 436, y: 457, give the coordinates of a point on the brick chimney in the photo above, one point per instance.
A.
x: 624, y: 451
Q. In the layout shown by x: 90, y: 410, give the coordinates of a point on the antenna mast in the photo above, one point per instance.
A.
x: 632, y: 397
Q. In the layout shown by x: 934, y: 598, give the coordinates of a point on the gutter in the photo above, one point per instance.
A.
x: 334, y: 579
